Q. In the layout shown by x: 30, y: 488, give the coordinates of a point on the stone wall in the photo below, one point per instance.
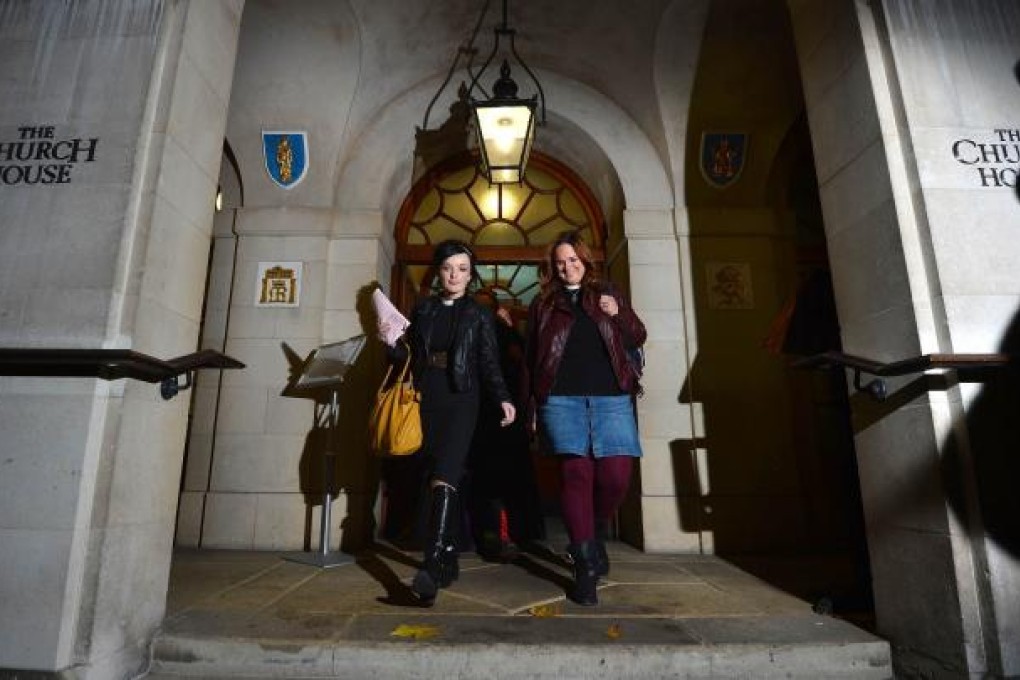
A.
x: 915, y: 237
x: 113, y: 255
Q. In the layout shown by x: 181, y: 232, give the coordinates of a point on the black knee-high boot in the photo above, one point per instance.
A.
x: 440, y: 566
x: 583, y: 555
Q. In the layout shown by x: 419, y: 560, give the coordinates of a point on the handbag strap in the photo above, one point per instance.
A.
x: 403, y: 372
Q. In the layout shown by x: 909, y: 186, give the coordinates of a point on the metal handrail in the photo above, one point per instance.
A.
x: 112, y: 364
x: 878, y: 389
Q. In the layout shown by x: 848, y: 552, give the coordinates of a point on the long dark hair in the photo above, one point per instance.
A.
x: 547, y: 276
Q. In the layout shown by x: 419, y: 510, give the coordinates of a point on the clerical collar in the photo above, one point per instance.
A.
x: 448, y: 302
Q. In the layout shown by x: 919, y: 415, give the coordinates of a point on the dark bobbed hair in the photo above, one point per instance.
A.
x: 548, y: 277
x: 450, y: 247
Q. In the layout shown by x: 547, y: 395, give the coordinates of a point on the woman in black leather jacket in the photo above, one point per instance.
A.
x: 454, y: 355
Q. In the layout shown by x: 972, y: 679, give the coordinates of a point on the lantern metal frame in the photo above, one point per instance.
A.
x: 504, y: 96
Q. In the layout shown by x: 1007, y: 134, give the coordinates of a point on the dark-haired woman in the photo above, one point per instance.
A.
x: 581, y: 333
x: 454, y: 355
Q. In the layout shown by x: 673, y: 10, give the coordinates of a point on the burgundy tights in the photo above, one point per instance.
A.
x: 591, y: 490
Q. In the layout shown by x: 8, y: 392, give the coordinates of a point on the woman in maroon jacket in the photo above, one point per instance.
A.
x: 581, y: 336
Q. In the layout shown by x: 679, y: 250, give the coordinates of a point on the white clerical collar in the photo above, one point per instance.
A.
x: 573, y: 286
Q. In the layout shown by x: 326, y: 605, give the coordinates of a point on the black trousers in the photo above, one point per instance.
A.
x: 448, y: 425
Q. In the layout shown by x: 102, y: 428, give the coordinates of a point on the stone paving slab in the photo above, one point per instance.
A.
x: 677, y: 616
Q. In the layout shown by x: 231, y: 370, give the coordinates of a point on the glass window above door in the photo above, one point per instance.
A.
x: 460, y: 203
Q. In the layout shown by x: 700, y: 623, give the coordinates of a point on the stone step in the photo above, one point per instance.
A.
x: 807, y: 647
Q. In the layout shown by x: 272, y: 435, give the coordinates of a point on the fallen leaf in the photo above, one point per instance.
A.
x: 544, y: 611
x: 415, y: 632
x: 614, y: 631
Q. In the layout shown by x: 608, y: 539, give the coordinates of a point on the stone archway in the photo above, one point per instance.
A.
x: 646, y: 251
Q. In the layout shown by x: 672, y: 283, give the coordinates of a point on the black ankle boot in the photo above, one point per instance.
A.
x: 583, y: 556
x: 440, y: 565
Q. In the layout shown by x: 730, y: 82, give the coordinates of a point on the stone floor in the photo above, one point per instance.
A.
x: 257, y: 614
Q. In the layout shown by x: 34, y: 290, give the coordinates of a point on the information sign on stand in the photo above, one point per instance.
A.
x: 320, y: 379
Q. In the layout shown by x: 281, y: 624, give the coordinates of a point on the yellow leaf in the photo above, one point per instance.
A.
x: 415, y: 632
x: 544, y: 611
x: 614, y: 631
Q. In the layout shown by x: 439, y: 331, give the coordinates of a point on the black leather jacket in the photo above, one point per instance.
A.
x: 474, y: 354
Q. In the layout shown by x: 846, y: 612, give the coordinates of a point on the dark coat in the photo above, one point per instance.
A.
x: 473, y: 357
x: 550, y: 319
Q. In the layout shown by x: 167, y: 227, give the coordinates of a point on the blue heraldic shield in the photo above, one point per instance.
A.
x: 286, y: 157
x: 722, y: 157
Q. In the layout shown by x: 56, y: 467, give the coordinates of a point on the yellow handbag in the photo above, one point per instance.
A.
x: 395, y: 427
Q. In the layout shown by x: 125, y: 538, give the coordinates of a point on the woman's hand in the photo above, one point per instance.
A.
x: 509, y: 413
x: 607, y: 303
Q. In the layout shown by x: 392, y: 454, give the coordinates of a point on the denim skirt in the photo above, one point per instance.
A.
x: 603, y: 426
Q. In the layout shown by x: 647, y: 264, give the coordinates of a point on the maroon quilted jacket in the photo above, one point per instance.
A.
x: 549, y: 323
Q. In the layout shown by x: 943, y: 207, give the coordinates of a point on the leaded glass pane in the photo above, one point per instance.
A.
x: 571, y: 209
x: 496, y: 215
x: 462, y: 211
x: 539, y: 209
x: 549, y: 232
x: 515, y: 284
x: 443, y: 228
x: 417, y: 273
x: 428, y: 209
x: 462, y: 204
x: 459, y: 180
x: 499, y: 233
x: 541, y: 180
x: 416, y: 237
x: 486, y: 199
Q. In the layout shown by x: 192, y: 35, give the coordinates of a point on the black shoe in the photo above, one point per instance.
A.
x: 492, y: 548
x: 585, y: 577
x: 424, y: 587
x: 440, y: 566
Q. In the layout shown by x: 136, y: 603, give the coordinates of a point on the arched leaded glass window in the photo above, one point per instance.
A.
x: 507, y: 225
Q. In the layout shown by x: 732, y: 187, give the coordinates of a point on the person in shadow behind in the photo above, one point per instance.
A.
x: 504, y: 508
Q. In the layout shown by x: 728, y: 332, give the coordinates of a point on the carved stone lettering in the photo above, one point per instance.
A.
x: 995, y: 160
x: 38, y: 156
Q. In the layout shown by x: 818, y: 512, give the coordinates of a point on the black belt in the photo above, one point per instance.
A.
x: 436, y: 360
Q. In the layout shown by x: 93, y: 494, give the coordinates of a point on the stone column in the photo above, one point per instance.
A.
x: 111, y: 254
x: 668, y: 510
x: 915, y: 239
